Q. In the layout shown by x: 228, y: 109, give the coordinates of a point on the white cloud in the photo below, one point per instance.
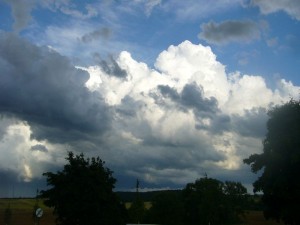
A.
x: 16, y: 152
x: 189, y: 63
x: 164, y: 134
x: 150, y: 4
x: 167, y: 125
x: 70, y: 8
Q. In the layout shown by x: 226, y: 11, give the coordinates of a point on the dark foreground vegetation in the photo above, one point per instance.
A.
x: 82, y: 193
x: 22, y: 211
x: 280, y: 164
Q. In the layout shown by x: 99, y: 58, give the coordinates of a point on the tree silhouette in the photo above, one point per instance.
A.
x: 167, y: 209
x: 137, y: 208
x: 7, y: 215
x: 280, y: 164
x: 210, y: 201
x: 82, y: 193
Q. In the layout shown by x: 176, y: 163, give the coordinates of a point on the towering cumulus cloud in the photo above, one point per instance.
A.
x: 186, y: 116
x: 167, y: 125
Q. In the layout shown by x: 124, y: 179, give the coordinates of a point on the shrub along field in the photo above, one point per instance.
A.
x: 22, y: 213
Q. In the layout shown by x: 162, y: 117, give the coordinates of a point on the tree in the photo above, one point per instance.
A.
x: 137, y: 208
x: 82, y: 193
x: 167, y: 209
x: 236, y: 198
x: 7, y: 215
x: 209, y: 201
x: 280, y: 164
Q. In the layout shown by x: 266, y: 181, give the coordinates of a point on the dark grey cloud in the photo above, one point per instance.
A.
x: 11, y: 186
x: 219, y: 123
x: 102, y: 33
x: 110, y: 66
x: 229, y: 31
x: 251, y: 124
x: 43, y: 88
x: 8, y: 180
x: 39, y: 147
x: 129, y: 107
x: 191, y: 97
x: 169, y: 92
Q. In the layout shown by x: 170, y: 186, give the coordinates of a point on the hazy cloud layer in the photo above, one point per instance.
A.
x: 229, y: 31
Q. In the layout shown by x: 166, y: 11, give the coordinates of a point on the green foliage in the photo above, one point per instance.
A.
x: 137, y: 209
x: 7, y: 215
x: 82, y: 193
x: 167, y: 209
x: 280, y: 163
x: 210, y: 201
x: 237, y: 199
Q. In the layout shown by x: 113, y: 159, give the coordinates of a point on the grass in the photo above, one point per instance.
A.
x: 22, y: 210
x: 257, y: 218
x: 146, y: 204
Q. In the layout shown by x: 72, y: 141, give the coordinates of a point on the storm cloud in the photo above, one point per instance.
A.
x: 167, y: 125
x: 44, y: 89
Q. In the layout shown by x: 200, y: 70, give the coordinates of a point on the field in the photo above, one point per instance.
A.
x: 22, y: 210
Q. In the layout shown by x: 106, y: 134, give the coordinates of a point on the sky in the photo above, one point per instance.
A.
x: 164, y: 91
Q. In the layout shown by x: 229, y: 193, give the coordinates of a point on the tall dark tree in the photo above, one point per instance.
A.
x: 82, y: 193
x: 280, y: 164
x: 209, y: 201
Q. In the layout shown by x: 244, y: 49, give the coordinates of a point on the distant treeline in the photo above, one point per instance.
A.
x: 254, y: 201
x: 145, y: 196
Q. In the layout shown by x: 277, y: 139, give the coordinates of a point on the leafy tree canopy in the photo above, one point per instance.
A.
x: 137, y: 209
x: 280, y: 164
x: 82, y: 193
x: 167, y: 209
x: 210, y: 201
